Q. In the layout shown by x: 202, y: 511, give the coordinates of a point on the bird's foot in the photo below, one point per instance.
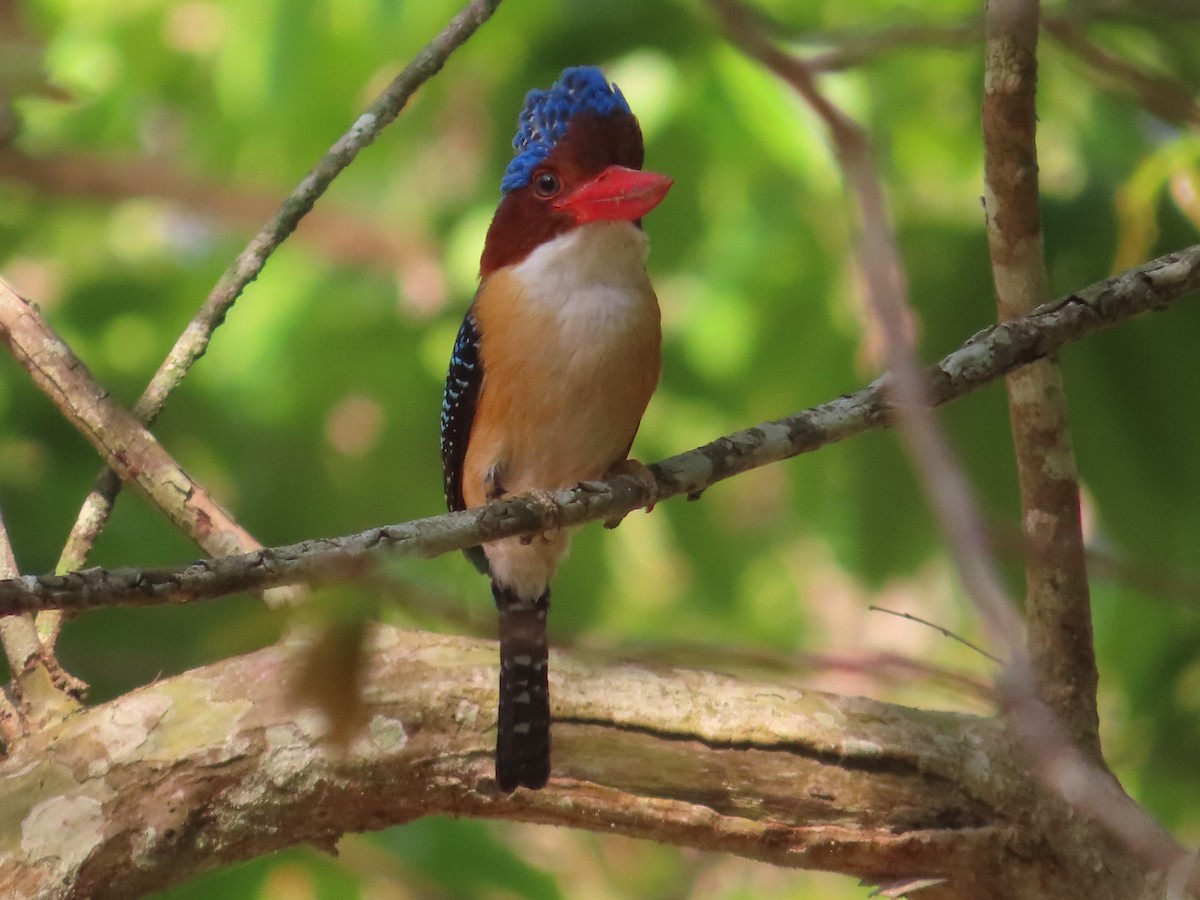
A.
x: 545, y: 501
x: 644, y: 478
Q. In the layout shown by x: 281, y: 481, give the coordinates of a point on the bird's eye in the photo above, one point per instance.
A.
x: 546, y: 184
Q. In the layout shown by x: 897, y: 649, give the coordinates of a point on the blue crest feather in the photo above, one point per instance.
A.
x: 546, y: 114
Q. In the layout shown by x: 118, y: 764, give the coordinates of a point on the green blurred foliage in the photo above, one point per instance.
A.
x: 315, y: 410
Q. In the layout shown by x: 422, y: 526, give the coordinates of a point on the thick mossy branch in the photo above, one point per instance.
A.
x: 108, y: 803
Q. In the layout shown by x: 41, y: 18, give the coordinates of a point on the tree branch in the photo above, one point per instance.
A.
x: 340, y: 235
x: 942, y: 478
x: 1071, y: 772
x: 108, y: 803
x: 17, y: 634
x: 987, y: 356
x: 193, y: 343
x: 40, y: 691
x: 1058, y: 603
x: 850, y: 49
x: 121, y: 440
x: 1169, y: 99
x: 1055, y: 714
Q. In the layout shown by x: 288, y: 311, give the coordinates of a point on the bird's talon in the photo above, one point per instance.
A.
x: 544, y: 501
x: 641, y: 475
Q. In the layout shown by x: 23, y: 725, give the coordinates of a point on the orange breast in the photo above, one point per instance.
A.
x: 563, y: 391
x: 570, y: 346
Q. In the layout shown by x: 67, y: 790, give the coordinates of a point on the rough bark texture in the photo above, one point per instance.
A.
x: 1057, y: 600
x: 217, y: 765
x: 127, y: 447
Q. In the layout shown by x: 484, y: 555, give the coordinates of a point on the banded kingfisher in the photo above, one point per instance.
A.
x: 554, y: 365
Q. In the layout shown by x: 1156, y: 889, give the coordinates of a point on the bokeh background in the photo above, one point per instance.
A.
x: 142, y: 142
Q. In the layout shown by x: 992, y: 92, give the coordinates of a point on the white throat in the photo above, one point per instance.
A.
x: 600, y: 255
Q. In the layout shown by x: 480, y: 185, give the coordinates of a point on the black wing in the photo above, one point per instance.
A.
x: 463, y: 381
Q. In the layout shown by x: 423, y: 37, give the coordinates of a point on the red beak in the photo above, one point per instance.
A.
x: 617, y: 194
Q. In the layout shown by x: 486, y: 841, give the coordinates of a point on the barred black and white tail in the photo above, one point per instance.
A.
x: 523, y: 729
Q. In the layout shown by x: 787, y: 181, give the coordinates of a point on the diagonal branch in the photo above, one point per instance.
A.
x: 1089, y: 787
x: 1168, y: 98
x: 124, y: 443
x: 192, y: 344
x: 1172, y: 100
x: 984, y: 358
x: 942, y: 478
x: 850, y: 49
x: 340, y: 235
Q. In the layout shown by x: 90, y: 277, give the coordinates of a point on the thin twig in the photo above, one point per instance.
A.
x: 1179, y: 587
x: 192, y: 344
x: 194, y: 341
x: 337, y: 234
x: 124, y: 443
x: 1167, y: 98
x: 986, y: 357
x: 40, y: 691
x: 838, y: 50
x: 944, y: 481
x: 13, y: 631
x: 21, y: 644
x: 945, y: 632
x: 850, y: 49
x: 1087, y: 788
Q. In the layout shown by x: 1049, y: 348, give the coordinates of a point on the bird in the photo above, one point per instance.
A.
x: 554, y: 365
